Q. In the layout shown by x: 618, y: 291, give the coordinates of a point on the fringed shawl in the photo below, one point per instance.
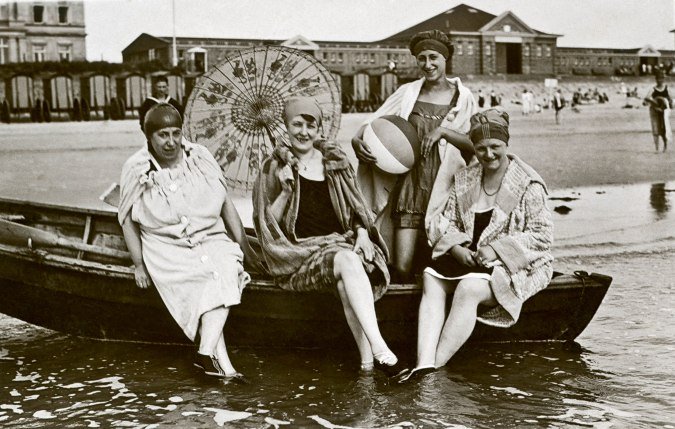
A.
x: 283, y: 251
x: 375, y: 184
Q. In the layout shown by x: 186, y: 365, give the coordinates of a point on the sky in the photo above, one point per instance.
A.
x: 112, y: 24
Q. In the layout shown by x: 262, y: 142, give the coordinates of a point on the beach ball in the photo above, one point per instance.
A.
x: 393, y: 141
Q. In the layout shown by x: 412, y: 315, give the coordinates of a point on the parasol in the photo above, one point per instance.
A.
x: 235, y: 109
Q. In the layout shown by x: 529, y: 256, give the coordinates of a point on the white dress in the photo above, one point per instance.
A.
x: 193, y: 263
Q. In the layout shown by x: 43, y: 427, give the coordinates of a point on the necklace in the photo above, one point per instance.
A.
x: 482, y: 185
x: 305, y: 166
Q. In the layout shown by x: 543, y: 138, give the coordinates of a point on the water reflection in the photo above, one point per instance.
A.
x: 658, y: 199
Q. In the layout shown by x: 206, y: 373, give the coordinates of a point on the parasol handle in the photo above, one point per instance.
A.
x: 269, y: 133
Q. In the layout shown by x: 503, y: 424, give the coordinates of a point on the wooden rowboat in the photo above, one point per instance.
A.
x: 65, y: 269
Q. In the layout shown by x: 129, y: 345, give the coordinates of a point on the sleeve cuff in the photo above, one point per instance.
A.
x: 510, y: 253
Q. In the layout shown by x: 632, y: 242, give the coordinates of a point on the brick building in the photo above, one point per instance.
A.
x: 36, y: 31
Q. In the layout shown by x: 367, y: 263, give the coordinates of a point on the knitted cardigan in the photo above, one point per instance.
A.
x: 520, y: 231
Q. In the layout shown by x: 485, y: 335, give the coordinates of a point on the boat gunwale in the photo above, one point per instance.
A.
x: 42, y: 256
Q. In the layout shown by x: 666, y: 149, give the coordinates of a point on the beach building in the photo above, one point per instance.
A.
x: 39, y: 31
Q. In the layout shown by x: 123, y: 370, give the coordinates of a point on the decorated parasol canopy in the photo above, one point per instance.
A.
x: 235, y: 109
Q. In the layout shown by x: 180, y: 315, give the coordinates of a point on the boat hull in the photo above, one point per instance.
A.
x: 98, y: 301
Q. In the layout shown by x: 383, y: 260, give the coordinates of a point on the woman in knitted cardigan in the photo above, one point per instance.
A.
x: 491, y: 230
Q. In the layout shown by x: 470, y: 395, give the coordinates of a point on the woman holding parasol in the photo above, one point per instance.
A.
x: 315, y: 231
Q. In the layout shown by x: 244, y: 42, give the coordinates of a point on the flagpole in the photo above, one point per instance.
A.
x: 174, y: 53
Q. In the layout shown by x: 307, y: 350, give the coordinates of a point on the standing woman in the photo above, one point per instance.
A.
x: 316, y: 233
x: 495, y: 230
x: 659, y: 102
x: 176, y: 216
x: 439, y: 108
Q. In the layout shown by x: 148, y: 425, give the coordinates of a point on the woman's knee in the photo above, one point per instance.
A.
x: 432, y: 287
x: 472, y: 291
x: 346, y: 262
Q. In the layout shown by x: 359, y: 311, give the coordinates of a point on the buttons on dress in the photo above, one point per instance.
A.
x: 173, y: 187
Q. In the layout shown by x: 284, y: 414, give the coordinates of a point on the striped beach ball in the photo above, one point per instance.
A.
x: 393, y: 141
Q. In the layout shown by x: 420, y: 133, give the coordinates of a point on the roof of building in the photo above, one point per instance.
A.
x: 463, y: 19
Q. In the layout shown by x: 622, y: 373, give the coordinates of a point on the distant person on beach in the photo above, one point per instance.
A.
x: 558, y: 105
x: 491, y: 233
x: 316, y: 233
x: 494, y: 99
x: 481, y: 99
x: 185, y: 235
x: 439, y: 108
x: 525, y: 103
x: 660, y: 103
x: 160, y: 94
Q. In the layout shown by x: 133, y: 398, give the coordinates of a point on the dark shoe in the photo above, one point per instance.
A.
x: 210, y: 365
x: 238, y: 378
x: 415, y: 374
x: 395, y: 370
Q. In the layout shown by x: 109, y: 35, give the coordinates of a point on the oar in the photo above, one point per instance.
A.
x: 12, y: 232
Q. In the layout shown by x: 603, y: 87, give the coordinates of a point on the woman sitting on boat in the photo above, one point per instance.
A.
x: 491, y: 238
x: 315, y: 231
x: 176, y: 215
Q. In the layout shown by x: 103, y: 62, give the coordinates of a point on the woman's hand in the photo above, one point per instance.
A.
x: 286, y: 179
x: 463, y: 255
x: 430, y: 140
x: 485, y: 256
x: 252, y: 261
x: 364, y: 244
x: 362, y: 151
x: 141, y: 276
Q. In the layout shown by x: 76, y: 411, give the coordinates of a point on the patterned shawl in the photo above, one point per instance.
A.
x: 283, y: 251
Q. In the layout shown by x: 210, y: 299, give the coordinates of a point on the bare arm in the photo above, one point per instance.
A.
x: 236, y: 229
x: 459, y: 140
x: 132, y: 236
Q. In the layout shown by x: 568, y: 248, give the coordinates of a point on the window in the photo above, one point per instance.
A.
x: 332, y: 57
x: 63, y: 14
x: 151, y: 54
x: 372, y: 58
x: 38, y: 13
x: 488, y: 49
x: 469, y: 48
x: 357, y: 58
x: 526, y: 50
x: 458, y: 51
x: 4, y: 50
x: 340, y: 57
x: 539, y: 50
x: 548, y: 51
x: 65, y: 52
x: 325, y: 56
x: 39, y: 53
x: 506, y: 28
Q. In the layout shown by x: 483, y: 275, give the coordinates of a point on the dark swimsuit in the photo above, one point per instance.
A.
x: 448, y: 266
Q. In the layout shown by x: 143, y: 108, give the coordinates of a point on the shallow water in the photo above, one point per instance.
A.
x: 618, y: 374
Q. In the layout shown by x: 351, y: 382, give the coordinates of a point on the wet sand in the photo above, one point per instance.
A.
x: 72, y: 163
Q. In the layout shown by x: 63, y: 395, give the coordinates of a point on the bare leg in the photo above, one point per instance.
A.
x: 405, y: 240
x: 666, y: 140
x: 431, y: 319
x: 211, y: 334
x: 462, y: 318
x: 361, y: 340
x: 656, y: 143
x: 354, y: 286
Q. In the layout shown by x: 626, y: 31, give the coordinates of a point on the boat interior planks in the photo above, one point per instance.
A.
x: 92, y: 294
